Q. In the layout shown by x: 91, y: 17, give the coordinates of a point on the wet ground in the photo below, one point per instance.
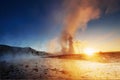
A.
x: 58, y: 69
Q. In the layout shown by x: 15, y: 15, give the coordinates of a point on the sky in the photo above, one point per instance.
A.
x: 35, y: 23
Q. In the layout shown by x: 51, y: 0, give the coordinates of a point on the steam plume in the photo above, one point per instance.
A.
x: 79, y: 13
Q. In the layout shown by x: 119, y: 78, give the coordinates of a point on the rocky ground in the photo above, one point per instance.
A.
x: 27, y: 63
x: 58, y: 69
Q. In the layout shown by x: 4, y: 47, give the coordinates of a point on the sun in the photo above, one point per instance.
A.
x: 89, y: 51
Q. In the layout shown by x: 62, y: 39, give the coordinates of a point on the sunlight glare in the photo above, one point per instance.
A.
x: 89, y: 51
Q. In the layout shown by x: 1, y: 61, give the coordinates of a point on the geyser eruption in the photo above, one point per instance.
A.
x: 71, y: 48
x: 79, y: 13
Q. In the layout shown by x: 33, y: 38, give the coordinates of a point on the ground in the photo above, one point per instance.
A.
x: 58, y: 69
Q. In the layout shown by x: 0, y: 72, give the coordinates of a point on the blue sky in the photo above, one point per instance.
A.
x: 35, y: 22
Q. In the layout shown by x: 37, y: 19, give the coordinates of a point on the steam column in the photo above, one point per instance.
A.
x: 71, y: 48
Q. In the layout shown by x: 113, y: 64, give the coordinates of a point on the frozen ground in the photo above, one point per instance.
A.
x: 58, y: 69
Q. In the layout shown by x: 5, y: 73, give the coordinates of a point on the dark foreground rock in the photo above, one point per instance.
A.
x: 10, y: 71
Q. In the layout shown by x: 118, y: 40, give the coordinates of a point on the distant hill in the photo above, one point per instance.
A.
x: 12, y: 50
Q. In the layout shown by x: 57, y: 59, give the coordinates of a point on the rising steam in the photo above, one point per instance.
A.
x: 78, y: 14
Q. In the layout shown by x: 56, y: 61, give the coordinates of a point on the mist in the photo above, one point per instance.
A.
x: 79, y: 13
x: 17, y: 57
